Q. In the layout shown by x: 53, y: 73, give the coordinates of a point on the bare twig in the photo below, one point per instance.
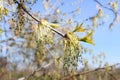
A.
x: 9, y: 39
x: 37, y: 70
x: 113, y: 21
x: 114, y: 12
x: 112, y: 76
x: 103, y: 5
x: 26, y: 11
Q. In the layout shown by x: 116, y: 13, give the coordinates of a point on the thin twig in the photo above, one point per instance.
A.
x: 26, y: 11
x: 103, y: 5
x: 112, y: 76
x: 114, y: 12
x: 113, y: 21
x: 34, y: 72
x: 56, y: 31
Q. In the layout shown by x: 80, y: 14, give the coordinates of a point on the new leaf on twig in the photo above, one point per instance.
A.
x: 45, y: 22
x: 87, y: 38
x: 79, y: 28
x: 0, y: 31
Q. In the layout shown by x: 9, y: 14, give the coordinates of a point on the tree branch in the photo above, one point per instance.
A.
x: 39, y: 69
x: 112, y: 76
x: 86, y: 72
x: 56, y: 31
x: 114, y: 12
x: 26, y: 11
x: 103, y: 5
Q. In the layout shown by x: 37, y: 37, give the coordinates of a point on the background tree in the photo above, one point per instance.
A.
x: 48, y: 41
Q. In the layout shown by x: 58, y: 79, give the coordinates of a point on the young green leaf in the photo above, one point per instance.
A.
x: 79, y: 28
x: 54, y: 25
x: 46, y: 23
x: 87, y: 38
x: 0, y: 31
